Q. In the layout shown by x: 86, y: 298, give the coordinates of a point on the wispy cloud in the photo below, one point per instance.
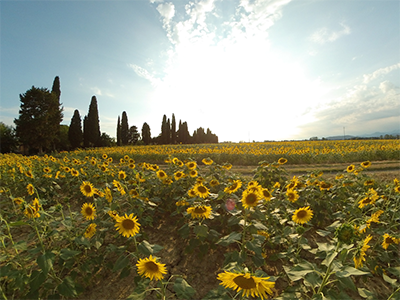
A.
x: 380, y: 72
x: 325, y: 35
x: 142, y: 72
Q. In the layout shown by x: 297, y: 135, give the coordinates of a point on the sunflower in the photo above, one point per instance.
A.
x: 200, y: 212
x: 292, y: 195
x: 282, y: 161
x: 359, y: 256
x: 134, y: 193
x: 207, y: 161
x: 121, y: 175
x: 369, y: 182
x: 132, y: 166
x: 365, y: 164
x: 192, y: 193
x: 87, y: 189
x: 233, y: 187
x: 178, y: 175
x: 397, y: 189
x: 108, y: 194
x: 18, y: 201
x: 350, y: 168
x: 266, y: 194
x: 150, y: 268
x: 214, y: 182
x: 375, y: 216
x: 201, y: 190
x: 250, y: 198
x: 161, y: 174
x: 127, y: 225
x: 263, y: 233
x: 346, y: 233
x: 90, y: 231
x: 387, y: 240
x: 74, y: 172
x: 119, y: 187
x: 29, y: 174
x: 104, y: 156
x: 32, y: 211
x: 193, y: 173
x: 103, y: 168
x: 46, y: 170
x: 88, y: 211
x: 126, y: 157
x: 249, y: 284
x: 140, y: 178
x: 325, y: 185
x: 302, y: 215
x: 182, y: 202
x: 113, y: 214
x: 30, y: 189
x: 191, y: 165
x: 227, y: 166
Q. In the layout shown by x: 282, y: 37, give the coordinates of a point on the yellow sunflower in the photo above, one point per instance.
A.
x: 207, y: 161
x: 150, y: 268
x: 193, y: 173
x: 31, y: 189
x: 325, y: 185
x: 178, y: 175
x: 397, y: 189
x: 360, y: 254
x: 369, y: 182
x: 87, y: 189
x: 201, y: 190
x: 161, y: 174
x: 365, y: 164
x: 74, y: 172
x: 200, y: 212
x: 29, y: 174
x: 191, y: 165
x: 236, y: 184
x: 90, y: 231
x: 214, y: 182
x: 302, y: 215
x: 192, y: 193
x: 387, y: 240
x: 266, y: 194
x: 282, y: 161
x: 108, y: 194
x: 104, y: 156
x: 32, y: 211
x: 113, y: 214
x: 121, y: 175
x: 88, y: 211
x: 292, y: 195
x: 18, y: 201
x: 227, y: 166
x: 127, y: 225
x: 350, y: 168
x: 250, y: 198
x: 247, y: 283
x: 134, y: 193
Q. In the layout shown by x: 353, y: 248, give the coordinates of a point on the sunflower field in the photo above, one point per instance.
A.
x: 188, y: 227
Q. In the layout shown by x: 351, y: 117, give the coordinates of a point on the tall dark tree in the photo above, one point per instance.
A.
x: 8, y: 140
x: 173, y: 130
x: 85, y: 132
x: 56, y: 109
x: 118, y: 132
x: 183, y: 133
x: 75, y: 130
x: 168, y: 132
x: 133, y: 135
x: 146, y: 134
x: 39, y: 119
x: 124, y: 129
x: 92, y: 128
x: 56, y: 87
x: 164, y: 131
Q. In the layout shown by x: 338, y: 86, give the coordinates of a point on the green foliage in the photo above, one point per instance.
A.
x: 75, y: 134
x: 124, y: 129
x: 91, y: 125
x: 8, y: 139
x: 146, y: 134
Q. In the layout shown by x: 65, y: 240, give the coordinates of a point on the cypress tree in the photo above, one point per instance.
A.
x: 124, y: 129
x: 118, y: 132
x: 93, y: 124
x: 85, y: 132
x: 168, y: 132
x: 173, y: 130
x: 146, y: 135
x: 75, y: 130
x: 164, y: 130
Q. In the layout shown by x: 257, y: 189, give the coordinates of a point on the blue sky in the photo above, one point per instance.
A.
x: 248, y: 70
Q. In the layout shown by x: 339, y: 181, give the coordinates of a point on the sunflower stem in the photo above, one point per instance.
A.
x: 394, y: 293
x: 328, y: 273
x: 244, y: 230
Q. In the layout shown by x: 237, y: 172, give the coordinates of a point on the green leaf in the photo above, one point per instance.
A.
x: 67, y: 253
x: 259, y: 225
x: 36, y: 280
x: 80, y: 240
x: 296, y: 273
x: 395, y: 271
x: 329, y: 258
x: 121, y: 263
x: 323, y: 232
x: 366, y: 294
x: 229, y: 239
x: 233, y: 220
x: 146, y: 248
x: 21, y: 245
x: 18, y: 223
x: 45, y: 261
x: 67, y: 288
x: 313, y: 280
x: 325, y: 247
x: 125, y: 272
x: 389, y: 280
x: 333, y: 226
x: 201, y: 230
x: 347, y: 283
x: 349, y: 271
x: 184, y: 231
x: 183, y: 290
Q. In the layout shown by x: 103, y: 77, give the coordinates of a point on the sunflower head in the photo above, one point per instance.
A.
x: 388, y: 240
x: 191, y: 165
x: 121, y: 175
x: 90, y: 231
x: 292, y: 195
x: 207, y: 161
x: 233, y: 187
x: 346, y: 233
x: 150, y: 268
x: 127, y: 225
x: 161, y: 174
x: 282, y: 161
x: 365, y: 164
x: 178, y: 175
x: 201, y: 190
x: 88, y: 211
x: 302, y: 215
x: 250, y: 198
x: 87, y: 189
x: 350, y: 168
x: 30, y: 189
x: 200, y: 212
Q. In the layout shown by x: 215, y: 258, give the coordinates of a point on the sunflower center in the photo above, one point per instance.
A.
x: 200, y: 210
x: 233, y: 186
x: 251, y: 199
x: 302, y: 214
x: 366, y: 200
x: 245, y: 283
x: 89, y: 211
x: 128, y: 224
x: 88, y: 188
x: 291, y: 196
x: 202, y: 189
x: 151, y: 266
x: 389, y: 240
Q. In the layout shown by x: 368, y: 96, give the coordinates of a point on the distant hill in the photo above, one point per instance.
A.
x: 371, y: 135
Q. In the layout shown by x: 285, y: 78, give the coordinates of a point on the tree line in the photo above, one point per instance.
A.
x: 38, y: 127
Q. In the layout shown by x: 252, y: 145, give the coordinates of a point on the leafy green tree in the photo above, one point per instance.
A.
x: 164, y: 131
x: 92, y: 127
x: 63, y: 143
x: 146, y: 134
x: 85, y: 132
x: 124, y: 129
x: 56, y: 114
x: 133, y: 135
x: 119, y: 132
x: 8, y: 140
x: 106, y: 140
x: 75, y: 134
x: 39, y: 118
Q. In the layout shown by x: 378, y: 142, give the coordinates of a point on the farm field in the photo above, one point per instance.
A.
x: 312, y: 220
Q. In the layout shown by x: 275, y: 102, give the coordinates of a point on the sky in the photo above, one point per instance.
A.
x: 249, y: 70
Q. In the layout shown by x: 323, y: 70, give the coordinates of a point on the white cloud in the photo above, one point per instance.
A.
x: 324, y: 35
x: 380, y: 72
x: 142, y: 72
x: 166, y: 10
x: 96, y: 91
x: 388, y: 87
